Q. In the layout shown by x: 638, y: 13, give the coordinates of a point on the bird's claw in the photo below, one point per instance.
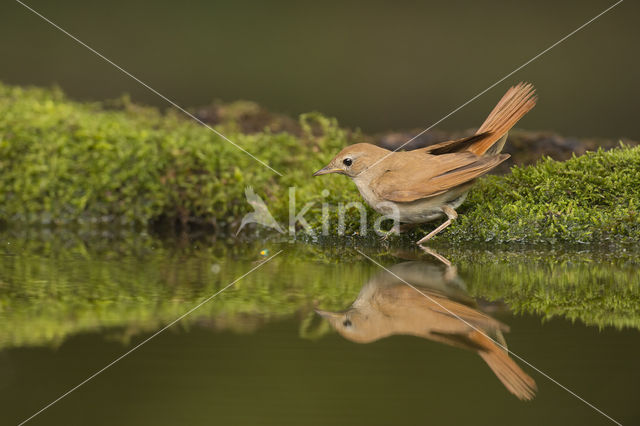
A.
x: 387, y: 234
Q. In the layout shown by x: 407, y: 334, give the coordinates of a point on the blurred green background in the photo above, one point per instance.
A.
x: 374, y: 65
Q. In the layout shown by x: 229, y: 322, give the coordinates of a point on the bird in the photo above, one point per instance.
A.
x: 420, y: 299
x: 426, y: 184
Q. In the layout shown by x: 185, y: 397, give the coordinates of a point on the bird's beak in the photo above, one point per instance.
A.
x: 328, y: 314
x: 327, y: 170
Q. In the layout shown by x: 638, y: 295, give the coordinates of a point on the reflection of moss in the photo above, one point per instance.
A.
x: 600, y: 289
x: 57, y: 288
x: 52, y: 287
x: 79, y: 164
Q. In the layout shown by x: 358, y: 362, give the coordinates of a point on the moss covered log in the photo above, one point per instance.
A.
x: 65, y: 163
x: 591, y: 198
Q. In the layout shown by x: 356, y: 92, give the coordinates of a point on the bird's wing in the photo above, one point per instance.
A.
x: 469, y: 316
x: 454, y: 317
x: 411, y: 177
x: 457, y: 145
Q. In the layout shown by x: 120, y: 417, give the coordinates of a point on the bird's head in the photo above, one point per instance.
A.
x: 351, y: 324
x: 354, y: 160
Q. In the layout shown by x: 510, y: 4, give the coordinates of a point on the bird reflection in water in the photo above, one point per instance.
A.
x: 429, y: 300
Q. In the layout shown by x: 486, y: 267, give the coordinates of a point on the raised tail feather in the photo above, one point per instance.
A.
x: 518, y: 101
x: 512, y: 377
x: 491, y: 136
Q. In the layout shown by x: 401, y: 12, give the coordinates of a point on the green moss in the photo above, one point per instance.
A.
x: 82, y: 164
x: 587, y: 199
x: 63, y: 162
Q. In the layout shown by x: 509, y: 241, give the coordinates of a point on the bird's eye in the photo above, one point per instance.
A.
x: 347, y: 161
x: 347, y: 323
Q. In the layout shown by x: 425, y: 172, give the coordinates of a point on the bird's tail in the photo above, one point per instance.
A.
x: 511, y: 376
x: 518, y: 101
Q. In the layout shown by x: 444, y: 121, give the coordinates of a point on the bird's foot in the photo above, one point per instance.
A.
x: 387, y: 234
x: 451, y: 272
x: 428, y: 236
x: 451, y: 215
x: 437, y: 255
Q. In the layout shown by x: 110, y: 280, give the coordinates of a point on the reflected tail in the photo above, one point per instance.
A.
x: 512, y: 377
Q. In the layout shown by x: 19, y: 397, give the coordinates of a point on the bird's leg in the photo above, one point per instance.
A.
x: 437, y: 255
x: 451, y: 215
x: 451, y: 272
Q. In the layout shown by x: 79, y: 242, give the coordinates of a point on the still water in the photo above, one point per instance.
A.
x: 316, y: 335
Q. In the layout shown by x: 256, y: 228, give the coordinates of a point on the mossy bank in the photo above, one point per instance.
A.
x: 64, y: 163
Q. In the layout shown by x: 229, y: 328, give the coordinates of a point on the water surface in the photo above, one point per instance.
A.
x: 260, y: 354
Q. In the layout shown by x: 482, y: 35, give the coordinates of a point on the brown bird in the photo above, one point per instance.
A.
x: 429, y: 183
x: 434, y: 310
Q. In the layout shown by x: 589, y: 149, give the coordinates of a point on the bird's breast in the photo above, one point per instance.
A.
x: 418, y: 211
